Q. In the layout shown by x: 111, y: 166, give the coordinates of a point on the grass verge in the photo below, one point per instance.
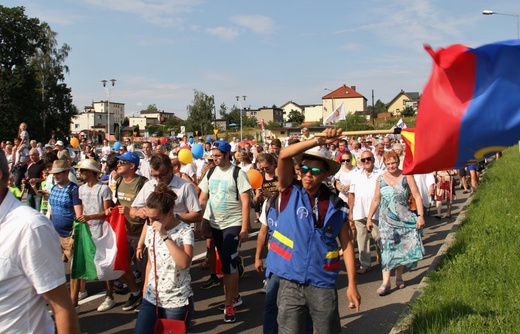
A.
x: 476, y: 289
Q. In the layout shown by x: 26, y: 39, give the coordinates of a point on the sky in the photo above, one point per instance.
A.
x: 271, y: 51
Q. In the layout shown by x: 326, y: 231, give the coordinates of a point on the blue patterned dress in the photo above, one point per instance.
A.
x: 400, y: 240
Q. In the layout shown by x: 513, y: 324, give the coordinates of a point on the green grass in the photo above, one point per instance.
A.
x: 477, y: 287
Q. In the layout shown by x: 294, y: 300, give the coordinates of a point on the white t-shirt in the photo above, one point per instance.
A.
x: 92, y: 199
x: 174, y: 284
x: 424, y: 181
x: 187, y: 200
x: 30, y: 265
x: 364, y: 187
x: 223, y: 210
x: 344, y: 178
x: 189, y: 170
x: 199, y: 164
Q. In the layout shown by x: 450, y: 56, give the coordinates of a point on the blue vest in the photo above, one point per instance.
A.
x: 299, y: 251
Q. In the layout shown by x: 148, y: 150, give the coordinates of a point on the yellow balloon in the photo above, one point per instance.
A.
x: 185, y: 156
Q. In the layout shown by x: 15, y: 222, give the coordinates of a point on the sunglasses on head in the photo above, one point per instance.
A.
x: 345, y: 160
x: 367, y: 159
x: 314, y: 170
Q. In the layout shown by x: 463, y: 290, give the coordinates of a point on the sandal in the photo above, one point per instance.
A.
x: 383, y: 290
x: 399, y: 283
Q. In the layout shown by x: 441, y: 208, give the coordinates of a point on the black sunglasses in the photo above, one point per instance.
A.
x: 345, y: 160
x: 368, y: 159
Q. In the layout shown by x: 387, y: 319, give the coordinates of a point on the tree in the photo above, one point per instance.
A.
x: 295, y: 117
x: 152, y: 108
x: 408, y: 112
x: 200, y: 113
x: 379, y: 107
x: 32, y: 87
x: 355, y: 123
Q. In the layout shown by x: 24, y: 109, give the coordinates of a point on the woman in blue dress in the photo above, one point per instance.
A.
x: 399, y: 227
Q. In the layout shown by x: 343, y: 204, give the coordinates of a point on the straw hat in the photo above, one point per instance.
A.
x: 89, y: 164
x: 59, y: 166
x: 323, y: 155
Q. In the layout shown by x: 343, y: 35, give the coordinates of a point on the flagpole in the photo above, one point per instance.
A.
x: 395, y: 131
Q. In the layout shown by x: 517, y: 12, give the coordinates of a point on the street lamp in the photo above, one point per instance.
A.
x: 241, y: 111
x: 490, y: 12
x: 330, y: 90
x: 108, y: 89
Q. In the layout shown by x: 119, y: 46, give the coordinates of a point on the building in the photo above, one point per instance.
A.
x: 95, y: 118
x: 312, y: 112
x: 352, y: 101
x: 273, y: 114
x: 403, y: 100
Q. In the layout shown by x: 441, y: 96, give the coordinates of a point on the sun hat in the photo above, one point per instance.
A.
x: 130, y: 156
x: 59, y: 143
x: 207, y: 156
x: 59, y: 166
x: 89, y: 164
x: 323, y: 155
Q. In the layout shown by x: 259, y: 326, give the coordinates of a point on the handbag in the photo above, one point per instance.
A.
x: 411, y: 203
x: 165, y: 326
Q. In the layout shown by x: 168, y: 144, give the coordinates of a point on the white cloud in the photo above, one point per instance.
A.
x: 259, y: 24
x: 224, y: 33
x: 53, y: 16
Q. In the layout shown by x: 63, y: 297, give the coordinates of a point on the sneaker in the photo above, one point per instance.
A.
x: 229, y: 314
x: 133, y: 302
x: 107, y: 304
x: 210, y: 283
x: 77, y: 309
x: 119, y: 287
x: 263, y: 290
x: 136, y: 310
x: 362, y: 270
x: 236, y: 302
x: 82, y: 295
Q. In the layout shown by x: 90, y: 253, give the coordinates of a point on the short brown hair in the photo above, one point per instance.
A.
x: 389, y: 155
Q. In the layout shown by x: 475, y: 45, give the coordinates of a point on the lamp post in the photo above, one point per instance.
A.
x: 330, y: 90
x: 108, y: 89
x: 241, y: 111
x: 490, y: 12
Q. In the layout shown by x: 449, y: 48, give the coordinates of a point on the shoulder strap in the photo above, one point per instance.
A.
x: 118, y: 182
x: 236, y: 170
x: 273, y: 202
x: 210, y: 171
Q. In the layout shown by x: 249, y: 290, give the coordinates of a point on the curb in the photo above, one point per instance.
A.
x: 405, y: 319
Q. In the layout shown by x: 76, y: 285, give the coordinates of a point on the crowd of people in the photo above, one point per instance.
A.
x: 320, y: 196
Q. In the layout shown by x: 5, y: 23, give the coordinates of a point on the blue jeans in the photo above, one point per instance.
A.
x: 270, y: 324
x: 146, y: 318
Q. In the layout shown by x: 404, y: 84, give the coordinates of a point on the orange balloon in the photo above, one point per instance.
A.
x: 255, y: 178
x: 74, y: 142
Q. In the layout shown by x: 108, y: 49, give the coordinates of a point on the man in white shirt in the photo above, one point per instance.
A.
x: 145, y: 168
x: 32, y: 274
x: 361, y: 193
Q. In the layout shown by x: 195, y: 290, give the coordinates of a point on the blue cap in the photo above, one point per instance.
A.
x: 222, y: 146
x: 130, y: 156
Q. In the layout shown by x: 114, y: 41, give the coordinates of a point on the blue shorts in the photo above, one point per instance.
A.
x: 472, y: 167
x: 227, y: 242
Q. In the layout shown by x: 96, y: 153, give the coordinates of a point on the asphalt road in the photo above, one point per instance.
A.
x: 377, y: 314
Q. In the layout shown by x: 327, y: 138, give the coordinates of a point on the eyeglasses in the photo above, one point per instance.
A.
x: 345, y: 160
x: 161, y: 176
x: 367, y: 159
x: 314, y: 170
x: 122, y: 162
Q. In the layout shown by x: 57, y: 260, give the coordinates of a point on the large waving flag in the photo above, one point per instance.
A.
x: 470, y: 107
x: 337, y: 115
x: 104, y: 258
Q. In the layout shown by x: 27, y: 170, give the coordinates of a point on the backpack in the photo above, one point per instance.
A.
x: 235, y: 176
x: 140, y: 184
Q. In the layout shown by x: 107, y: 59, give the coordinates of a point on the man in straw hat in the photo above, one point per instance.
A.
x: 303, y: 250
x: 65, y: 206
x: 32, y: 274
